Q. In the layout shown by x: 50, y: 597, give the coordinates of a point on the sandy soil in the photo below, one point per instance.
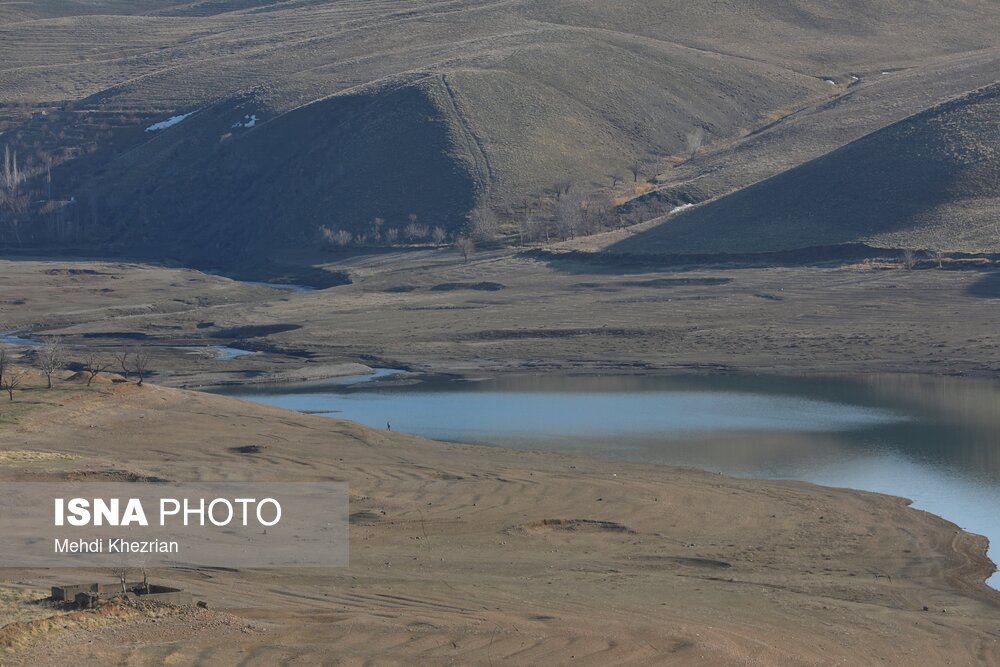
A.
x: 471, y: 555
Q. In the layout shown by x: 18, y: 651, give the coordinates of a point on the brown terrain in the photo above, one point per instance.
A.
x: 471, y: 555
x: 744, y: 188
x: 502, y: 312
x: 474, y: 555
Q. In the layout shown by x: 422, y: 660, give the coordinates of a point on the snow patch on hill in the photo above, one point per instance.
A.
x: 170, y: 122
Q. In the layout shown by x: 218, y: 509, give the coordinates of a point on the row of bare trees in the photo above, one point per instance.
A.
x: 333, y: 237
x: 51, y: 358
x: 562, y: 212
x: 14, y: 196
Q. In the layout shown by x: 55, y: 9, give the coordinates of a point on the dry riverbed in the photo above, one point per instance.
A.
x: 429, y: 311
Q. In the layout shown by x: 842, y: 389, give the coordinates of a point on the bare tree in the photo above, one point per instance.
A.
x: 122, y: 359
x: 483, y: 223
x: 140, y: 361
x: 415, y: 231
x: 342, y: 237
x: 616, y: 178
x: 392, y: 235
x: 122, y: 574
x: 3, y: 363
x: 13, y: 196
x: 909, y: 259
x: 523, y: 228
x: 334, y: 237
x: 569, y: 216
x: 636, y: 169
x: 93, y: 366
x: 438, y: 235
x: 466, y: 246
x: 12, y: 380
x: 50, y: 360
x: 694, y: 139
x: 377, y: 225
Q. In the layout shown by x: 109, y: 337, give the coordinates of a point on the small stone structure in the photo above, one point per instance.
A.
x: 88, y: 596
x: 70, y: 591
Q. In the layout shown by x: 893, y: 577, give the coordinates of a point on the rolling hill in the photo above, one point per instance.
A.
x: 928, y: 181
x: 299, y: 114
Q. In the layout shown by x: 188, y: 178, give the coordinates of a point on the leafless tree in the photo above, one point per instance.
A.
x: 50, y: 360
x: 466, y: 246
x: 140, y: 361
x: 636, y: 169
x: 377, y: 225
x: 438, y: 235
x: 392, y: 235
x: 569, y: 216
x: 93, y: 366
x: 522, y: 228
x: 909, y: 259
x: 616, y: 178
x: 12, y: 380
x: 599, y: 213
x: 122, y: 359
x: 122, y: 574
x: 342, y: 237
x: 335, y: 237
x: 483, y: 223
x: 694, y: 139
x: 3, y: 363
x: 415, y: 231
x: 13, y: 195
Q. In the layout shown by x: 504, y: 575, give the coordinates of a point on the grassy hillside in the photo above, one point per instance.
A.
x: 928, y: 181
x: 373, y: 109
x: 383, y: 152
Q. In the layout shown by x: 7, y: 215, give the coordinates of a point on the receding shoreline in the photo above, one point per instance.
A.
x: 468, y: 554
x: 451, y: 542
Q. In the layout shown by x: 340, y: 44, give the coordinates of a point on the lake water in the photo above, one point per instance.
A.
x: 933, y: 440
x: 10, y: 338
x: 220, y: 352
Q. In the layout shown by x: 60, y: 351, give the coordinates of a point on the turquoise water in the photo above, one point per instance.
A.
x: 933, y: 440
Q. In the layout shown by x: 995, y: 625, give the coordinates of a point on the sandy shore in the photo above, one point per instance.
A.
x: 474, y: 555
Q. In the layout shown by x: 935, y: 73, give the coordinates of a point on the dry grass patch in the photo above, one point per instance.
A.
x: 19, y: 634
x: 17, y: 605
x: 14, y: 456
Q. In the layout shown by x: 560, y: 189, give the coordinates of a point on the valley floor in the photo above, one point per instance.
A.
x: 501, y: 312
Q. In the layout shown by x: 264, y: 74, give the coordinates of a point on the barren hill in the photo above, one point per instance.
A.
x: 928, y: 181
x: 269, y: 119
